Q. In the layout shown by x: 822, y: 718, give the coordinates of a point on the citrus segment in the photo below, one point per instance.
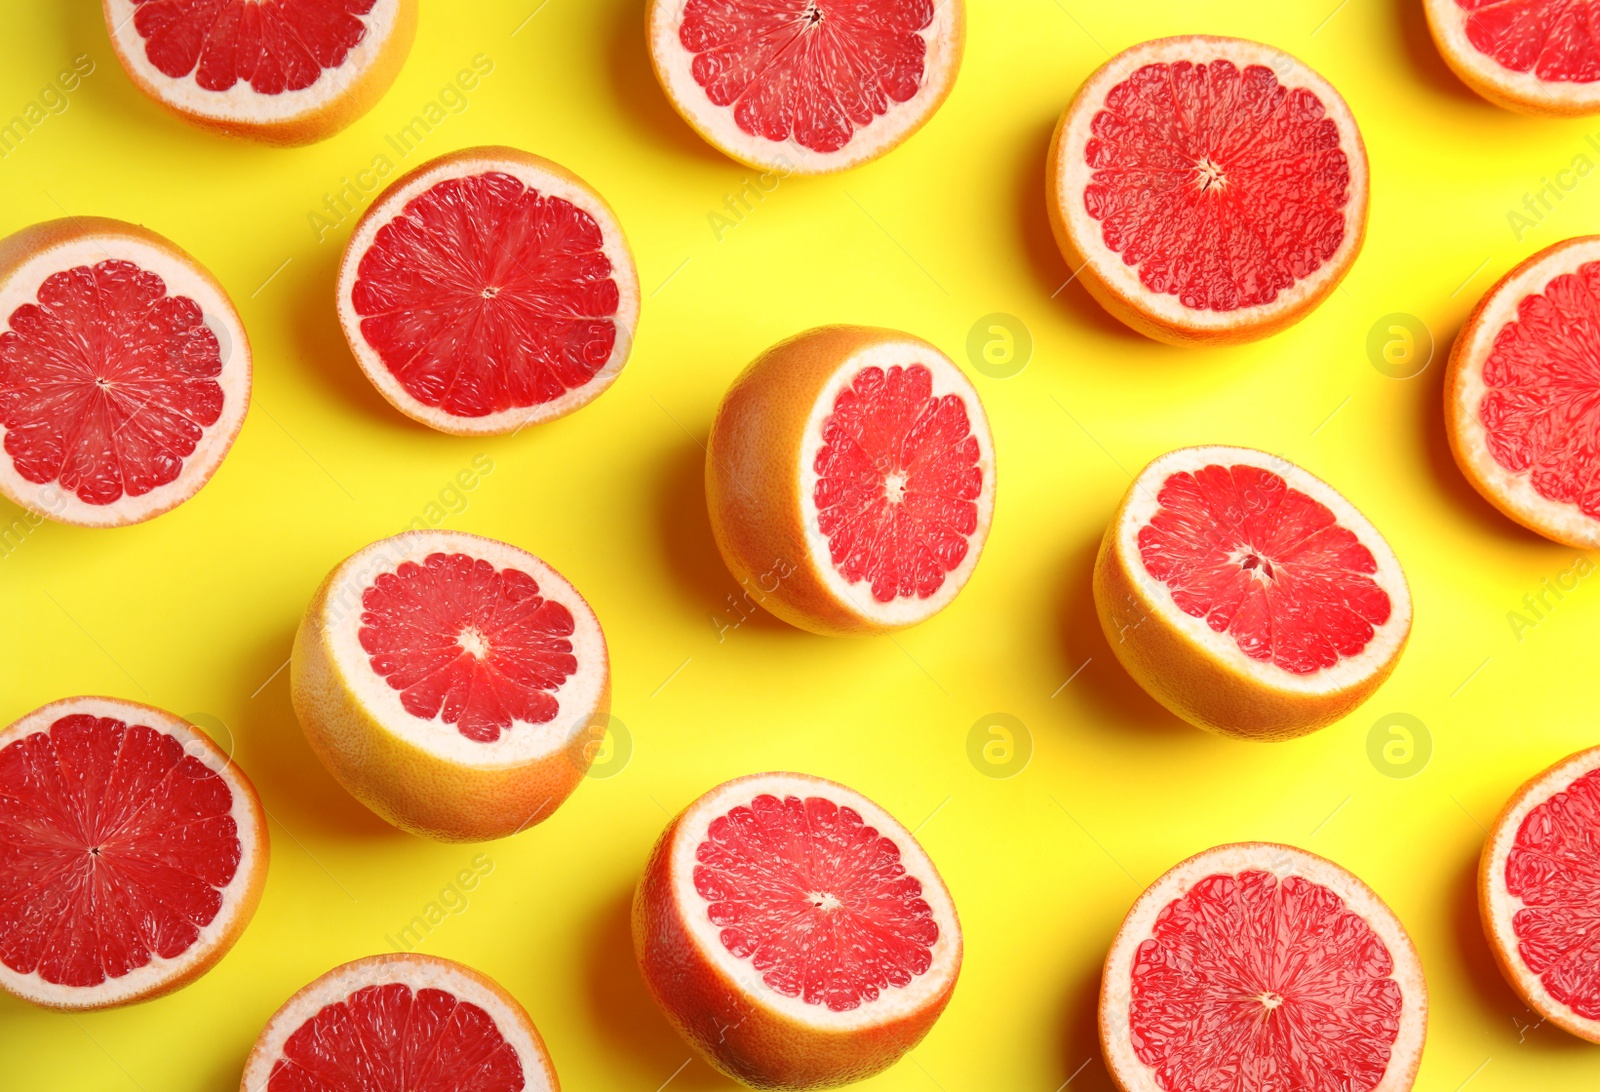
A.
x: 1260, y: 966
x: 1209, y: 189
x: 488, y: 290
x: 794, y: 933
x: 131, y: 854
x: 124, y: 372
x: 806, y: 86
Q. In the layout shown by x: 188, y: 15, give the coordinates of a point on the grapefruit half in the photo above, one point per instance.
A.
x: 400, y: 1023
x: 1257, y: 966
x: 124, y: 372
x: 1522, y: 394
x: 850, y: 478
x: 1208, y: 189
x: 1539, y: 892
x: 1247, y: 596
x: 794, y: 933
x: 806, y: 86
x: 132, y: 854
x: 487, y: 290
x: 279, y: 71
x: 1532, y: 56
x: 455, y: 685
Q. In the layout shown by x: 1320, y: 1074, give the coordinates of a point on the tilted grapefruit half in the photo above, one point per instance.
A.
x: 455, y: 685
x: 850, y: 477
x: 1539, y: 893
x: 806, y: 86
x: 124, y: 372
x: 1208, y: 189
x: 1532, y: 56
x: 794, y: 933
x: 279, y: 71
x: 132, y: 854
x: 400, y: 1023
x: 487, y: 290
x: 1247, y: 596
x: 1257, y: 967
x: 1522, y: 394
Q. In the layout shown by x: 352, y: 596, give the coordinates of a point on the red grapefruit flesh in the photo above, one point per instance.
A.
x: 1533, y: 56
x: 794, y: 933
x: 1257, y: 967
x: 1208, y: 189
x: 279, y: 71
x: 454, y: 684
x: 1522, y: 394
x: 400, y: 1023
x: 1248, y: 596
x: 850, y: 479
x: 488, y: 290
x: 806, y: 86
x: 132, y: 854
x: 1539, y: 893
x: 124, y: 372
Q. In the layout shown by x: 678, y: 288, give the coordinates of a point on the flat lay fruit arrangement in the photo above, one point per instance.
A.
x: 690, y: 544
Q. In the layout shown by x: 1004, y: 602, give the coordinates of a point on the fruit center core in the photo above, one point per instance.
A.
x: 824, y: 901
x: 1255, y: 564
x: 1270, y: 1001
x: 1208, y: 175
x: 474, y: 643
x: 894, y: 488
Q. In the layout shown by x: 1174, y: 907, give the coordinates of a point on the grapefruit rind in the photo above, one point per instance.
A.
x: 1523, y: 92
x: 35, y: 253
x: 1512, y: 492
x: 1114, y: 283
x: 1202, y: 675
x: 239, y: 899
x: 946, y: 38
x: 1282, y: 861
x: 418, y: 972
x: 761, y: 479
x: 536, y: 173
x: 336, y: 99
x: 720, y: 1003
x: 1497, y: 907
x: 425, y: 776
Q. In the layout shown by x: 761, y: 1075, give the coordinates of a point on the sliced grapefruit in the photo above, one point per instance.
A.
x: 1539, y: 893
x: 1208, y: 189
x: 850, y: 478
x: 794, y: 933
x: 487, y: 290
x: 1533, y: 56
x: 124, y: 372
x: 132, y: 854
x: 806, y: 86
x: 1257, y: 967
x: 1247, y: 596
x: 455, y: 685
x: 400, y: 1023
x: 280, y: 71
x: 1522, y: 394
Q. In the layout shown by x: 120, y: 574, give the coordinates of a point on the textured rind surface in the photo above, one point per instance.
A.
x: 18, y: 248
x: 753, y: 489
x: 1491, y: 881
x: 310, y: 127
x: 1187, y: 678
x: 752, y: 1044
x: 422, y: 793
x: 1536, y: 516
x: 250, y: 897
x: 1519, y: 92
x: 1128, y: 309
x: 385, y: 207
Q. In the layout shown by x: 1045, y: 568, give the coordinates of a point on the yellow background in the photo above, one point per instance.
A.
x: 195, y: 611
